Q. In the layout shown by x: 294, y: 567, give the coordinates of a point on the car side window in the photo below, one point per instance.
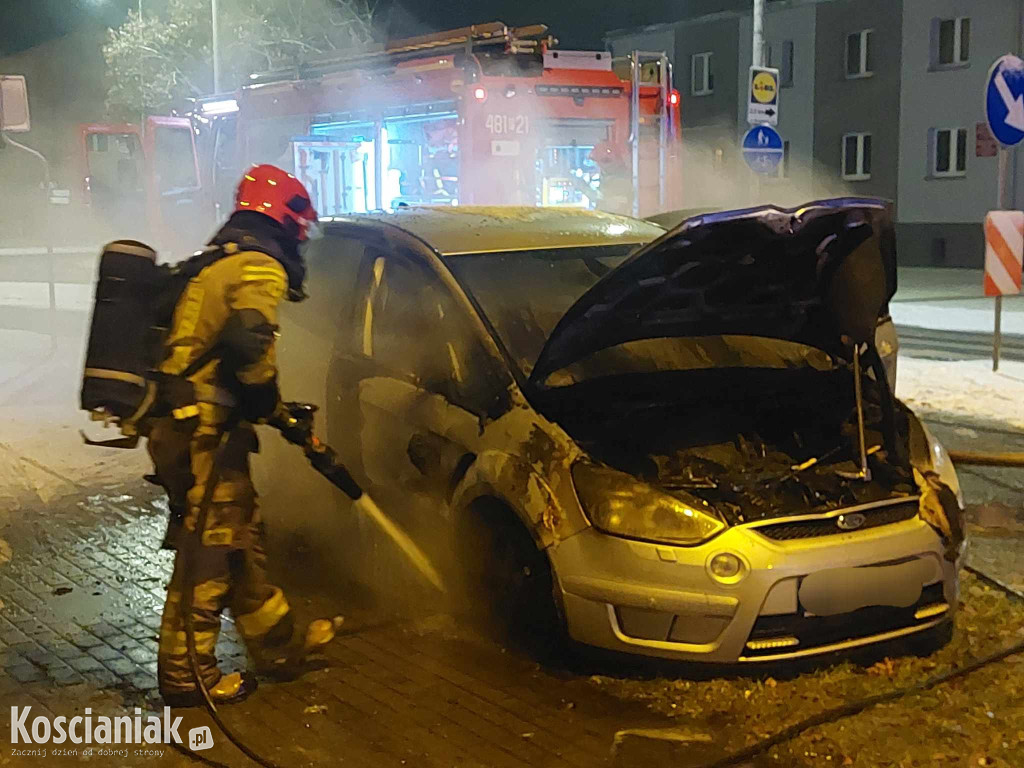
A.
x: 414, y: 328
x: 333, y: 270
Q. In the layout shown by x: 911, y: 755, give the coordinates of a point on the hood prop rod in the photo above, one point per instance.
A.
x: 863, y: 473
x: 858, y: 393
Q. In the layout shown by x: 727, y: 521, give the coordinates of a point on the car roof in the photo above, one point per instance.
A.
x: 466, y: 229
x: 672, y: 219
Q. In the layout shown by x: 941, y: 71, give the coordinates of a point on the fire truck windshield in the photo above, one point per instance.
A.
x: 413, y: 159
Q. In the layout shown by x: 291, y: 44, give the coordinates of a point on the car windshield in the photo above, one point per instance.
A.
x: 525, y: 293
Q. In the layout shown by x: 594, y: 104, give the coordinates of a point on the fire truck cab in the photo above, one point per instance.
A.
x: 143, y: 181
x: 483, y: 115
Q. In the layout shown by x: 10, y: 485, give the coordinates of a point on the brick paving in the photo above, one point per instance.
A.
x: 81, y: 600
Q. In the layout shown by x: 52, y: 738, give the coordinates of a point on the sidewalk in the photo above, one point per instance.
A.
x: 83, y: 586
x: 951, y: 300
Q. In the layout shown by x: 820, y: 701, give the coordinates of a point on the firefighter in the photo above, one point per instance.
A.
x: 616, y: 192
x: 221, y: 345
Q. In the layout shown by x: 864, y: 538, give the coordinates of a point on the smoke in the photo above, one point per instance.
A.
x: 715, y: 176
x: 310, y: 522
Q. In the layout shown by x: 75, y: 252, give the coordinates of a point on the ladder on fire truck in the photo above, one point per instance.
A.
x: 463, y: 40
x: 640, y: 76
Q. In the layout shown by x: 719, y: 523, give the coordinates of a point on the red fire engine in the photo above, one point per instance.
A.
x: 483, y: 115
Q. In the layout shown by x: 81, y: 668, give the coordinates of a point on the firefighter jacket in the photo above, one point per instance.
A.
x: 228, y: 314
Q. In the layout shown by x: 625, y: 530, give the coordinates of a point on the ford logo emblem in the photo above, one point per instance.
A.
x: 850, y: 522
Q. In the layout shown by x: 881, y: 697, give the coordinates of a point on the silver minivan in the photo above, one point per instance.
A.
x: 681, y: 444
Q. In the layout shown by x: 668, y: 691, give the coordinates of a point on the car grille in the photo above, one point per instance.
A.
x: 817, y: 631
x: 814, y: 527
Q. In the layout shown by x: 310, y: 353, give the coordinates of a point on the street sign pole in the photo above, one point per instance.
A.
x: 215, y: 31
x: 757, y: 60
x: 1004, y: 112
x: 997, y: 326
x: 757, y: 44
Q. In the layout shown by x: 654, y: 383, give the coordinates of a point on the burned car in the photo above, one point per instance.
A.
x: 681, y: 444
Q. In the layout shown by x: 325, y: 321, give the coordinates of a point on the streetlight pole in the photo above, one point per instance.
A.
x: 216, y: 47
x: 757, y: 60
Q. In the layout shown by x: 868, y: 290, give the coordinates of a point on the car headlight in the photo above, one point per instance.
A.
x: 619, y: 504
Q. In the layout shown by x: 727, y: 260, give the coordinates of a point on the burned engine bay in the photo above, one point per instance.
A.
x: 753, y: 443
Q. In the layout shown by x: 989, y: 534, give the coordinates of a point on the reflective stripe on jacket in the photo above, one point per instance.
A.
x: 240, y: 281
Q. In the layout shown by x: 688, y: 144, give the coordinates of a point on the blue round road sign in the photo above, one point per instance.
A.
x: 762, y: 149
x: 1004, y: 100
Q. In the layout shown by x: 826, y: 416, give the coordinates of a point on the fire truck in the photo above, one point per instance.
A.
x: 482, y: 115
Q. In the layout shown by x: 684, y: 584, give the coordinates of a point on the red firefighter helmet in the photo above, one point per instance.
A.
x: 276, y: 193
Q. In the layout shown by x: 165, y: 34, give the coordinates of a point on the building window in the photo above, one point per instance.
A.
x: 858, y: 53
x: 702, y: 78
x: 951, y: 42
x: 857, y: 156
x: 949, y: 152
x: 780, y: 57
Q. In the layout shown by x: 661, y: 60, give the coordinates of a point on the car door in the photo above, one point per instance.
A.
x: 423, y: 381
x: 113, y: 174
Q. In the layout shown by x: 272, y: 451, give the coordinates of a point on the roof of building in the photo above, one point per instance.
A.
x: 773, y: 6
x: 454, y: 230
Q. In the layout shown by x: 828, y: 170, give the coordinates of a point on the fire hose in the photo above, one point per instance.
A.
x: 856, y: 707
x: 296, y: 427
x: 978, y: 459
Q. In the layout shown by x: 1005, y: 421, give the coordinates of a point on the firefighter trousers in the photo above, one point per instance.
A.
x: 226, y: 563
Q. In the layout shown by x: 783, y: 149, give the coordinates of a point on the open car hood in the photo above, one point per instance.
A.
x: 811, y: 275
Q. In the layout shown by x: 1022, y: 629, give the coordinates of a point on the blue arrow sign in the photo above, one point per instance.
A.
x: 1004, y: 100
x: 762, y: 149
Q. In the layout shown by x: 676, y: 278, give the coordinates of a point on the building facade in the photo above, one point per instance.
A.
x: 877, y: 97
x: 857, y: 95
x: 790, y: 42
x: 947, y: 178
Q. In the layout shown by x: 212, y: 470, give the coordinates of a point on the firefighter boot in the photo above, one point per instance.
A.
x: 230, y: 689
x: 292, y: 659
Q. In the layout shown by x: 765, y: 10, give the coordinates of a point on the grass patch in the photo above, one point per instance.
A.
x: 974, y: 721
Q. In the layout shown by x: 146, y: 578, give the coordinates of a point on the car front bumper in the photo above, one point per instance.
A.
x: 660, y: 600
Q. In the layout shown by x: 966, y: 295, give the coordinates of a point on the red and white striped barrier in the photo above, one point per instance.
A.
x: 1004, y: 252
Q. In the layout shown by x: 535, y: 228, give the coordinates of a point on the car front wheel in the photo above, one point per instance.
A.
x: 509, y: 583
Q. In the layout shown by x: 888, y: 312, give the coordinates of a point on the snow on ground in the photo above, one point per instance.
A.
x: 968, y: 389
x: 951, y: 300
x: 971, y: 315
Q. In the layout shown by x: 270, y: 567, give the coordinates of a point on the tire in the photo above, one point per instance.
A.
x: 931, y: 640
x: 510, y: 588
